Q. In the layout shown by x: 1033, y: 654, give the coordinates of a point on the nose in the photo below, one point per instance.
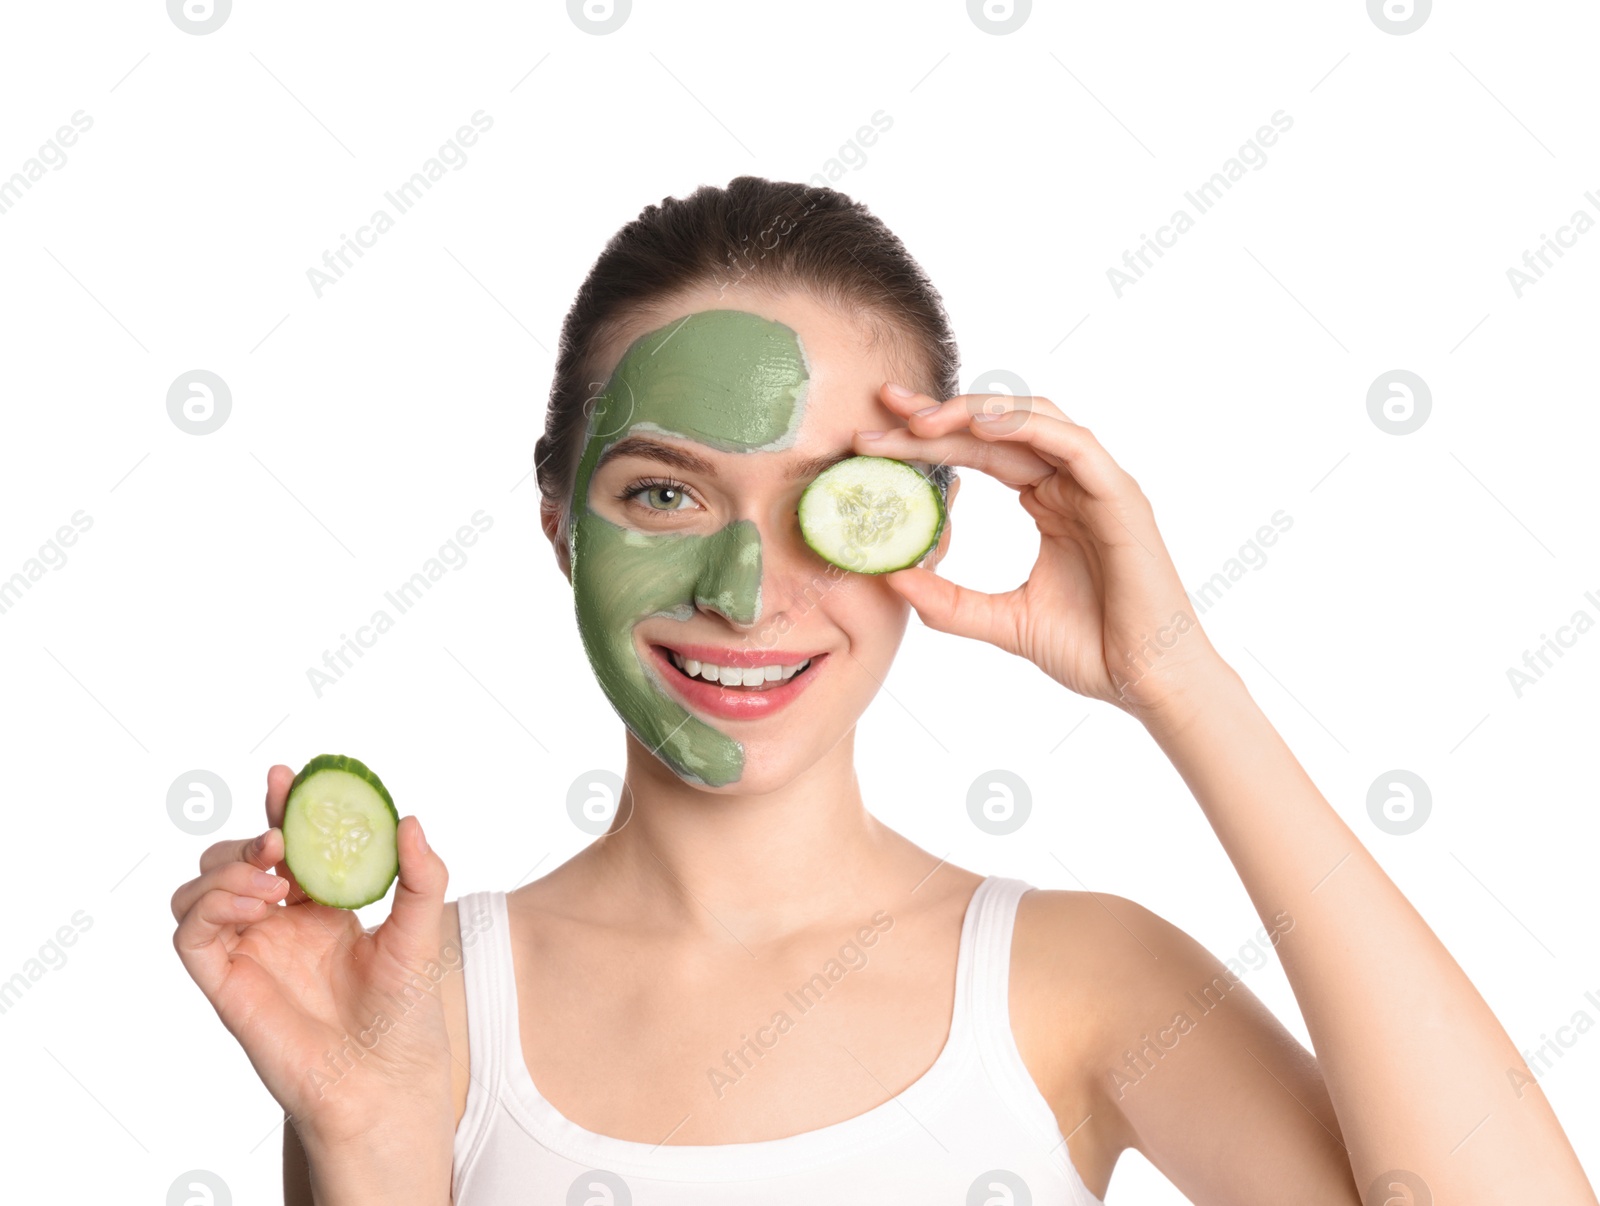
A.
x: 729, y: 582
x: 763, y: 586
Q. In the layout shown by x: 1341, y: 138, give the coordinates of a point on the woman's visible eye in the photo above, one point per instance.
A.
x: 659, y: 494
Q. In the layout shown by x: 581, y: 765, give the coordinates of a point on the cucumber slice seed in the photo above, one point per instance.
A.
x: 872, y: 514
x: 339, y: 827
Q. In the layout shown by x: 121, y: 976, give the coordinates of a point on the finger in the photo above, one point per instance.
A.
x: 946, y: 607
x: 258, y: 851
x: 913, y: 403
x: 279, y: 779
x: 240, y: 878
x: 411, y: 930
x: 207, y: 933
x: 1015, y: 465
x: 1073, y: 445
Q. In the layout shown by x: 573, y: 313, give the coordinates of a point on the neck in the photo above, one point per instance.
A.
x: 751, y: 866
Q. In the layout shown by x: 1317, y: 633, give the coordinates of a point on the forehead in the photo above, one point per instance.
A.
x: 727, y: 378
x: 782, y: 376
x: 741, y: 361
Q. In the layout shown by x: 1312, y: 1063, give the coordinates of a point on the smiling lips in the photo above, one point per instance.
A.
x: 735, y: 684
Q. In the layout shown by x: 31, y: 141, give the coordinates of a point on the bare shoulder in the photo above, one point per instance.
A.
x: 1097, y: 969
x: 1083, y: 967
x: 1095, y: 953
x: 1103, y: 990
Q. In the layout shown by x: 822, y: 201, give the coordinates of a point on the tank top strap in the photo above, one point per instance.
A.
x: 991, y: 1010
x: 490, y: 990
x: 989, y: 960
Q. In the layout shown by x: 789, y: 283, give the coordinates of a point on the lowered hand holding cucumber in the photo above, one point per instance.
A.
x: 297, y: 979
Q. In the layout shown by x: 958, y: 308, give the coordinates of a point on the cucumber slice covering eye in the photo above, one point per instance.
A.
x: 872, y: 514
x: 339, y: 827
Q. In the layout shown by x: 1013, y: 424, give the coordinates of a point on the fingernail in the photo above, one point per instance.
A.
x: 989, y: 417
x: 422, y: 839
x: 900, y: 391
x: 870, y: 435
x: 265, y: 880
x: 926, y: 410
x: 260, y: 844
x: 245, y: 904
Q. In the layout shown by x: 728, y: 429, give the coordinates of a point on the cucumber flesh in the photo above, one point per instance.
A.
x: 872, y: 514
x: 339, y: 827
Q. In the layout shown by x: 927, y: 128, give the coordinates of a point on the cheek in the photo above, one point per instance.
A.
x: 615, y: 587
x: 621, y: 576
x: 618, y: 584
x: 870, y: 614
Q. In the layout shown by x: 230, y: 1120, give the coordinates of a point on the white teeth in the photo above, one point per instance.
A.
x: 736, y: 676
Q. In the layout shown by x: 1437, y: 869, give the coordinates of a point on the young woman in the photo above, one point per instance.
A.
x: 749, y: 990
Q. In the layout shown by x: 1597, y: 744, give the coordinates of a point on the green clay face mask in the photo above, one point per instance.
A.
x: 735, y: 382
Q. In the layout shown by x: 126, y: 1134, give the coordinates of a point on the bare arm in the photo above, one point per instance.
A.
x: 1416, y: 1064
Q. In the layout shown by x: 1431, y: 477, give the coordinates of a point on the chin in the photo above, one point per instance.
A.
x: 766, y: 771
x: 774, y: 765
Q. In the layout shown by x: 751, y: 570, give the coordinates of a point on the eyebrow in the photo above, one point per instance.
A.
x: 689, y: 462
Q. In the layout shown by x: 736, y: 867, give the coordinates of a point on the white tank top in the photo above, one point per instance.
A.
x: 973, y: 1130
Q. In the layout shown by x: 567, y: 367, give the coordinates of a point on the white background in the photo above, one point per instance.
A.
x: 369, y: 424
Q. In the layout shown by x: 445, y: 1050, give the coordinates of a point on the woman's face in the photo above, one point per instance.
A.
x: 685, y: 542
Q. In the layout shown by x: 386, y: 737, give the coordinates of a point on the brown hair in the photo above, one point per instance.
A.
x: 766, y: 234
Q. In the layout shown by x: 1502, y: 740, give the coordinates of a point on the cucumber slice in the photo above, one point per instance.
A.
x: 872, y: 514
x: 339, y: 828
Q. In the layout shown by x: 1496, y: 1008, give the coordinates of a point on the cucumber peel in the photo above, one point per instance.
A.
x: 872, y: 514
x: 339, y: 826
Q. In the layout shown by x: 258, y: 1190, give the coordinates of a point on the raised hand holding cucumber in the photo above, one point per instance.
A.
x: 319, y: 1003
x: 1103, y: 611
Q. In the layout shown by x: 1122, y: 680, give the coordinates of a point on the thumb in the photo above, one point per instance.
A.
x: 412, y: 927
x: 946, y: 607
